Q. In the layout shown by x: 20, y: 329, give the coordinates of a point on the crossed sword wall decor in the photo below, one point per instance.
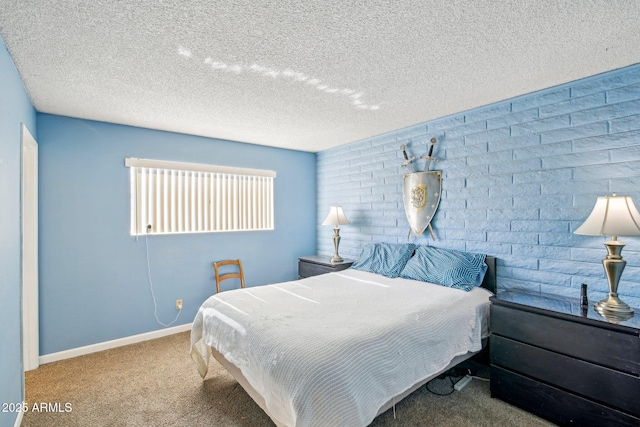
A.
x: 417, y: 187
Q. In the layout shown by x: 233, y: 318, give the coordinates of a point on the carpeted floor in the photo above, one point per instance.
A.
x: 155, y: 383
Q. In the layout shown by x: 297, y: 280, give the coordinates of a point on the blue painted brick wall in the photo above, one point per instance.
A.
x: 519, y: 177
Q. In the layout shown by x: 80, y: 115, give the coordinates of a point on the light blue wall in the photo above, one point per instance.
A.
x: 15, y: 109
x: 93, y: 274
x: 519, y: 177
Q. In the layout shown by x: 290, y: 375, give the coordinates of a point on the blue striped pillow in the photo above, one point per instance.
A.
x: 387, y: 259
x: 447, y: 267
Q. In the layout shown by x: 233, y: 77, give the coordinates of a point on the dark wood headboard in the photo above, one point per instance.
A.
x: 489, y: 281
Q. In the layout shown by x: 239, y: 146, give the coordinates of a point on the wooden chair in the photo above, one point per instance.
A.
x: 225, y: 276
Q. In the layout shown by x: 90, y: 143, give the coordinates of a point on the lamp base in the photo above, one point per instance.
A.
x: 613, y: 305
x: 336, y: 242
x: 336, y: 259
x: 613, y: 264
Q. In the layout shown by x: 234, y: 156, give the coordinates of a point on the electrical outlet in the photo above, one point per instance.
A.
x: 178, y: 304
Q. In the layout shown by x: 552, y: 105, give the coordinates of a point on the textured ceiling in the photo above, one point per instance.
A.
x: 306, y: 75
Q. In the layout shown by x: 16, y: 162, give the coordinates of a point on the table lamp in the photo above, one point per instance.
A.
x: 615, y: 216
x: 336, y: 218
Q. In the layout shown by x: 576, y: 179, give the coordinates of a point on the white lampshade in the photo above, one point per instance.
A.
x: 336, y: 217
x: 612, y: 216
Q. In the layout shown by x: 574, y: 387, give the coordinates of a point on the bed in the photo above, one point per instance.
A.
x: 341, y: 348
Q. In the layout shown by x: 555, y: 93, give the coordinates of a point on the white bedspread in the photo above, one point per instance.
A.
x: 330, y: 350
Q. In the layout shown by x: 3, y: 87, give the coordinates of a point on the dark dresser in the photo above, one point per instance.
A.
x: 568, y: 365
x: 319, y: 264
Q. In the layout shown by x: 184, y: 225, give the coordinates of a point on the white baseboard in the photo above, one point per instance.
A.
x: 18, y: 419
x: 80, y: 351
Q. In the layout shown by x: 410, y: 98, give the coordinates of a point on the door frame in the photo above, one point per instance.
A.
x: 29, y: 236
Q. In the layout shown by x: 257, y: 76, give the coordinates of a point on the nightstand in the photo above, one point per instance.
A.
x: 568, y: 366
x: 318, y: 264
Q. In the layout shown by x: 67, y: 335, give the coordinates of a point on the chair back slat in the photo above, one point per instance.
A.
x: 225, y: 276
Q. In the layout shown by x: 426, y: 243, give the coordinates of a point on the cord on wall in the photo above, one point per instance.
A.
x: 155, y: 304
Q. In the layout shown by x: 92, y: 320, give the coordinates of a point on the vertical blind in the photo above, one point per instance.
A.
x: 173, y: 197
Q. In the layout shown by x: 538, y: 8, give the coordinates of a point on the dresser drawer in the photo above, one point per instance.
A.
x: 584, y: 378
x: 609, y: 348
x: 552, y: 403
x: 316, y: 264
x: 307, y: 269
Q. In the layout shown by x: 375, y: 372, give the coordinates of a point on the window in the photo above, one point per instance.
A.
x: 173, y: 197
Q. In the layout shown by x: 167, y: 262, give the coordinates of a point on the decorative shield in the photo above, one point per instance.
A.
x: 421, y: 195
